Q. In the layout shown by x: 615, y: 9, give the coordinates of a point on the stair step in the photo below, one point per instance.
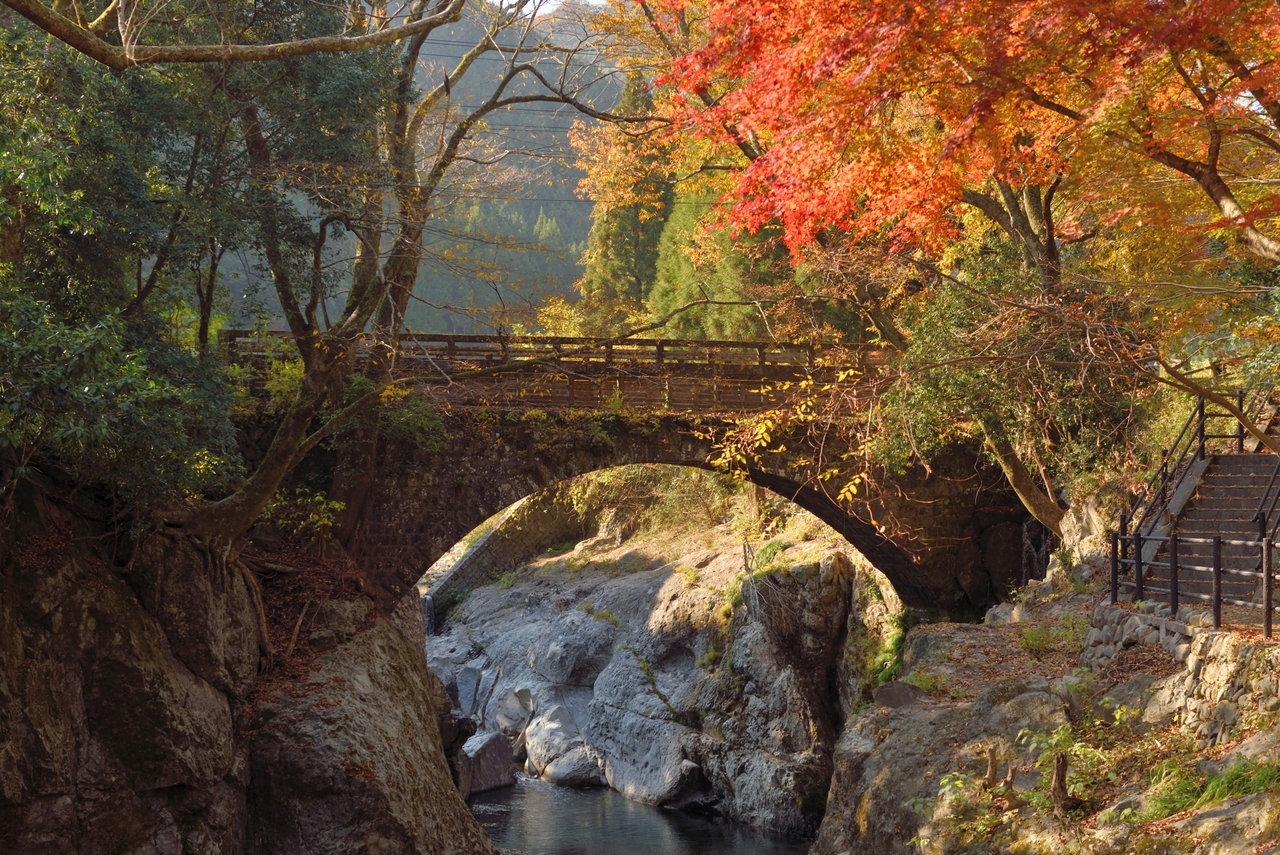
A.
x: 1232, y: 488
x: 1245, y: 460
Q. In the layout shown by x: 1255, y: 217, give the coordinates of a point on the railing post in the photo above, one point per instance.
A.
x: 1115, y: 567
x: 1124, y: 534
x: 658, y: 351
x: 1240, y: 424
x: 1173, y: 575
x: 1217, y: 581
x: 1200, y: 418
x: 1164, y: 477
x: 1266, y: 587
x: 1137, y: 566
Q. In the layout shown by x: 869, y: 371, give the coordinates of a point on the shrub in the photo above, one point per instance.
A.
x: 927, y: 681
x: 1037, y: 640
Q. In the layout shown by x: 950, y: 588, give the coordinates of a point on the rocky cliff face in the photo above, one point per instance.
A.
x: 656, y: 669
x: 350, y: 759
x: 958, y: 759
x: 123, y: 690
x: 128, y: 677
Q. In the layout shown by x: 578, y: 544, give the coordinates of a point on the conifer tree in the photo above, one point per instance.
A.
x: 622, y: 248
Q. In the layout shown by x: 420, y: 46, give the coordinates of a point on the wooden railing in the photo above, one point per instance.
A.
x: 647, y: 374
x: 492, y: 350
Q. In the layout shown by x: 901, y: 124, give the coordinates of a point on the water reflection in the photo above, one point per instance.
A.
x: 541, y: 819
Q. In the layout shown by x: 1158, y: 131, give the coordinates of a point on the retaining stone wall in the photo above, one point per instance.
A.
x: 1227, y: 676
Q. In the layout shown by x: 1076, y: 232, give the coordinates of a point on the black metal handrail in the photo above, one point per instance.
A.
x: 1267, y: 507
x: 1175, y: 464
x: 1127, y: 545
x: 1173, y: 590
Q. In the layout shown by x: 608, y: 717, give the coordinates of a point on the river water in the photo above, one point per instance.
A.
x: 543, y: 819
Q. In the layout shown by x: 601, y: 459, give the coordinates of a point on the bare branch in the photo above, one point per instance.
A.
x: 88, y: 40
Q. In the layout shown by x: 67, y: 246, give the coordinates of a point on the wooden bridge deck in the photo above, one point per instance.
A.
x: 548, y: 372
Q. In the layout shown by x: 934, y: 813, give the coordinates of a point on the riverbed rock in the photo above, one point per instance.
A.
x: 573, y: 650
x: 486, y: 763
x: 577, y: 767
x: 642, y: 681
x: 550, y: 735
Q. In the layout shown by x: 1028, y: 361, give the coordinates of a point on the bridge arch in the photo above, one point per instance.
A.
x: 429, y: 490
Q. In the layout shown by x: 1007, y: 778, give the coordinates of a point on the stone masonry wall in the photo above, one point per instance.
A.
x: 1227, y: 676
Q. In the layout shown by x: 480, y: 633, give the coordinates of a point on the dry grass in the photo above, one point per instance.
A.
x: 1140, y: 659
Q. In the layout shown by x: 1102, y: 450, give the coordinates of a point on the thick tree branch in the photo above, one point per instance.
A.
x: 1219, y: 192
x: 1219, y: 47
x: 88, y: 41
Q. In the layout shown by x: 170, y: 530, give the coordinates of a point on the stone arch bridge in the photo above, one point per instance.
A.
x: 513, y: 415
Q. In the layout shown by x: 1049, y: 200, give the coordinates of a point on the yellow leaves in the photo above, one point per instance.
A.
x: 393, y: 394
x: 763, y: 433
x: 850, y: 489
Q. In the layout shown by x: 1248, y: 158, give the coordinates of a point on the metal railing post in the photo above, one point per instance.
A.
x: 1240, y: 424
x: 1124, y: 534
x: 1115, y: 567
x: 1164, y: 477
x: 1137, y: 566
x: 1173, y: 576
x: 1217, y: 581
x: 1266, y: 587
x: 1200, y: 418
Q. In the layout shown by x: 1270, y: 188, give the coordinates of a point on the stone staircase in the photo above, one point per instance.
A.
x: 1228, y: 496
x: 1224, y: 504
x: 1212, y: 485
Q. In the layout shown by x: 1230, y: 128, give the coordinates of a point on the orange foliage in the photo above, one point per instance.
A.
x: 881, y: 115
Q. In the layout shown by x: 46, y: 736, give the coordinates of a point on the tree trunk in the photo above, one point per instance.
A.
x: 353, y: 481
x: 13, y: 232
x: 993, y: 775
x: 225, y: 521
x: 1038, y: 503
x: 1061, y: 802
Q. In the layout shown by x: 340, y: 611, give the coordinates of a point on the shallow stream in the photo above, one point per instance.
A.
x: 542, y: 819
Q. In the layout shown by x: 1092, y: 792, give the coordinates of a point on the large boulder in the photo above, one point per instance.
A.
x: 485, y: 763
x: 573, y: 650
x: 577, y: 767
x: 351, y: 760
x: 888, y: 760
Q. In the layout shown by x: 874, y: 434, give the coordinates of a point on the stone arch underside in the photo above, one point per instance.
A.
x: 428, y: 493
